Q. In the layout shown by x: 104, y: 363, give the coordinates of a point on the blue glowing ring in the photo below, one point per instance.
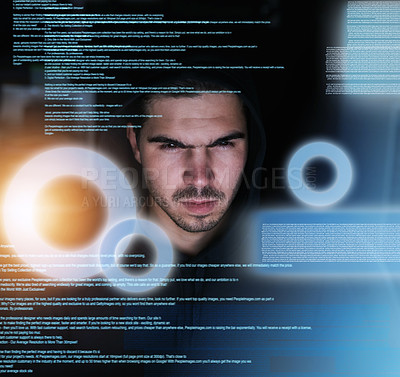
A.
x: 338, y: 188
x: 120, y: 235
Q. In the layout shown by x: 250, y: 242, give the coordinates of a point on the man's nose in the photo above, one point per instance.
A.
x: 198, y: 167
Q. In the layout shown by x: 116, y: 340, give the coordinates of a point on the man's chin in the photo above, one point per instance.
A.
x: 190, y: 221
x: 197, y: 224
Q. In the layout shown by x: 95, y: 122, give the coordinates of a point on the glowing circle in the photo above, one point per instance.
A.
x: 114, y: 244
x: 337, y: 189
x: 19, y: 209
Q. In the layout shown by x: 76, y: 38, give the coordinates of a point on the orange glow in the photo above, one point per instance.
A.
x: 69, y: 212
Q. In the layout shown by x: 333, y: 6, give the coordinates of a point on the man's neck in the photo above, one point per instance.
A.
x: 189, y: 243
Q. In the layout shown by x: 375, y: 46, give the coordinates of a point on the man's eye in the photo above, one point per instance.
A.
x: 169, y: 146
x: 225, y: 144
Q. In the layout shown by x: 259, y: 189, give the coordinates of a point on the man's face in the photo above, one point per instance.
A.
x: 193, y: 157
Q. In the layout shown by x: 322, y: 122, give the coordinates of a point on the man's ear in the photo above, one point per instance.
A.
x: 131, y: 135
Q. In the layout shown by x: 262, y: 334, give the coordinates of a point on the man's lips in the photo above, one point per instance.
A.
x: 199, y: 206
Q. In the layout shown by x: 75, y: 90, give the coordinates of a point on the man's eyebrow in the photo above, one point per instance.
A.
x: 179, y: 144
x: 232, y: 136
x: 168, y: 140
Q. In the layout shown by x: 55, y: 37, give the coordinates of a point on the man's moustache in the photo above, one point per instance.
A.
x: 192, y: 192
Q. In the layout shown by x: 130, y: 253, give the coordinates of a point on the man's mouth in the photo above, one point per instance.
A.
x: 199, y: 206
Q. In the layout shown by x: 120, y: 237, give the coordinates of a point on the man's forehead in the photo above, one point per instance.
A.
x: 208, y: 113
x: 200, y: 106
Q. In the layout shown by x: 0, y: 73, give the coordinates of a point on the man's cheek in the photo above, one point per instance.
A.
x: 172, y: 177
x: 151, y: 175
x: 228, y: 177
